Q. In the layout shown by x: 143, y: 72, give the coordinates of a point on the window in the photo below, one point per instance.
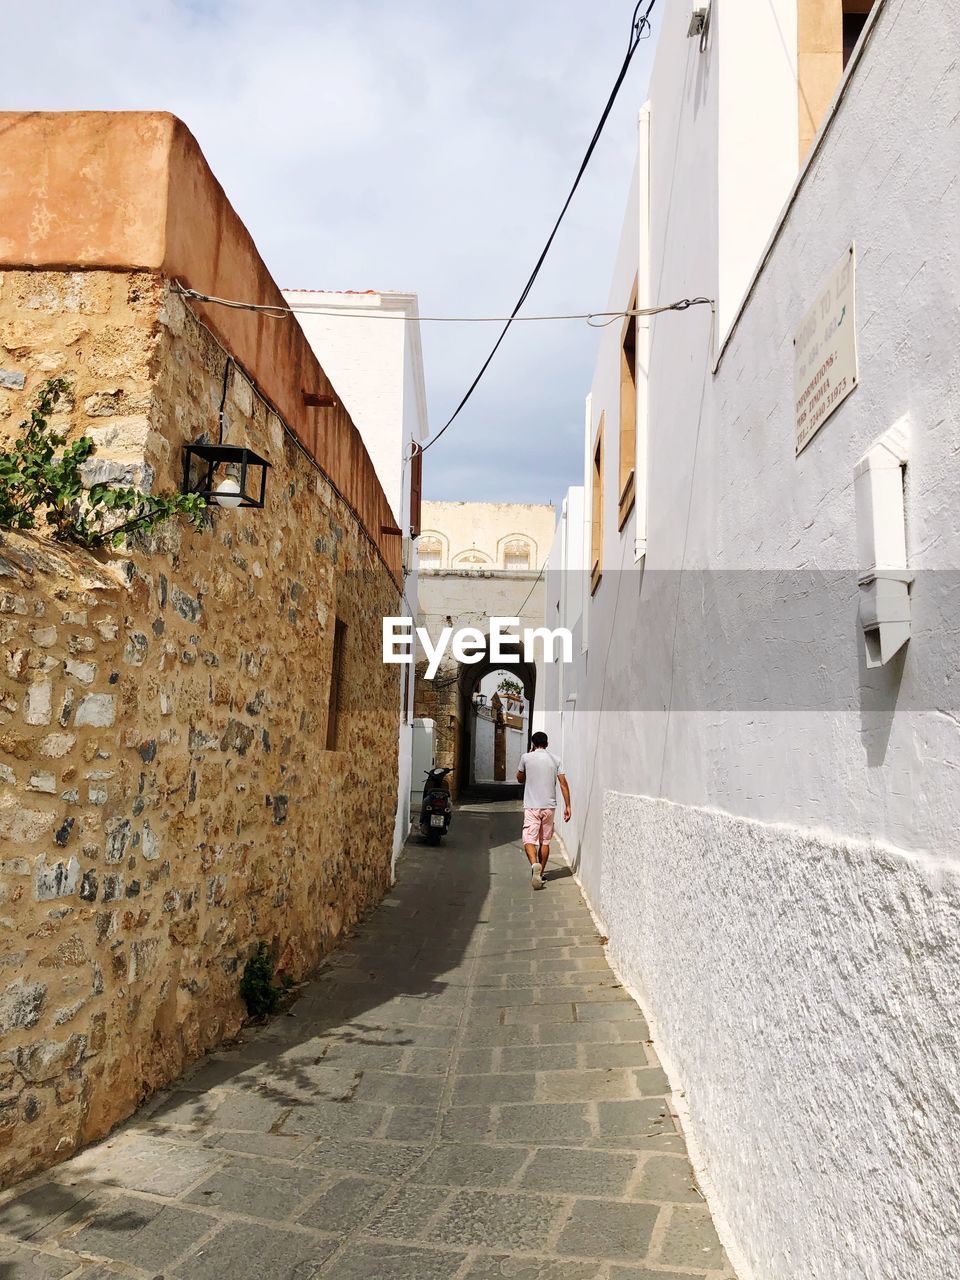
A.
x: 335, y: 704
x: 516, y: 555
x: 596, y: 513
x: 628, y: 414
x: 855, y: 14
x: 827, y: 31
x: 416, y: 490
x: 429, y: 553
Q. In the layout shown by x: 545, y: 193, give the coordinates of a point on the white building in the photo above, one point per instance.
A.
x: 369, y: 346
x: 764, y: 823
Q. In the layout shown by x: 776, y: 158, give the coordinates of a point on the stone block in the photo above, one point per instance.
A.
x: 379, y: 1159
x: 30, y: 1215
x: 607, y: 1228
x: 471, y: 1165
x: 10, y: 602
x: 43, y: 782
x: 399, y: 1089
x: 251, y: 1251
x: 140, y: 1232
x: 667, y: 1178
x: 578, y: 1172
x: 252, y: 1187
x: 398, y: 1262
x: 38, y: 703
x: 505, y: 1221
x: 85, y: 672
x: 56, y: 745
x: 406, y: 1215
x: 23, y: 826
x: 103, y: 404
x: 690, y: 1239
x: 410, y: 1124
x: 98, y: 710
x: 548, y: 1123
x: 117, y: 831
x: 57, y: 881
x: 21, y: 1262
x: 21, y: 1005
x: 621, y: 1122
x: 188, y: 607
x: 341, y: 1207
x: 11, y: 380
x: 50, y: 1059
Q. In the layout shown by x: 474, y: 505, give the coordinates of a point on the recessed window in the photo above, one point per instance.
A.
x: 335, y: 703
x: 855, y: 14
x: 429, y: 553
x: 628, y: 414
x: 827, y: 33
x: 516, y: 556
x: 596, y: 513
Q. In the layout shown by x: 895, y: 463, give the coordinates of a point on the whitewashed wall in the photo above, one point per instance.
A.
x: 369, y: 346
x: 766, y: 828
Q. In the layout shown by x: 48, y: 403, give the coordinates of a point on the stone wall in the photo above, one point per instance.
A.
x: 167, y: 800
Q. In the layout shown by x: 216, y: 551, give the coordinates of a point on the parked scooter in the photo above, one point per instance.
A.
x: 436, y: 809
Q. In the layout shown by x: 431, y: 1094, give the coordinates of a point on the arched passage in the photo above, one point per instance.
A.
x: 470, y: 677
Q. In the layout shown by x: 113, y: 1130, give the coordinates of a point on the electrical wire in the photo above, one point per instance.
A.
x: 638, y: 24
x: 537, y: 579
x: 223, y: 395
x: 276, y: 312
x: 639, y: 30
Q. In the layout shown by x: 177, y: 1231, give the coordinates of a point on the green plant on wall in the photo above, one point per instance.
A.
x: 257, y: 988
x: 507, y: 685
x: 38, y: 482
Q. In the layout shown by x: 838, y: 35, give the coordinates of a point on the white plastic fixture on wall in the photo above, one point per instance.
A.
x: 882, y: 546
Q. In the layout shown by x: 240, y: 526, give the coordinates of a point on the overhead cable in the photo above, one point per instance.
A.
x: 639, y: 24
x: 351, y: 313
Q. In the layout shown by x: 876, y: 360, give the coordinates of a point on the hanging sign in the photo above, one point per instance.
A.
x: 825, y: 352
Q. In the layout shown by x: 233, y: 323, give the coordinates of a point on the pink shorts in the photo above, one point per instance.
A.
x: 538, y: 826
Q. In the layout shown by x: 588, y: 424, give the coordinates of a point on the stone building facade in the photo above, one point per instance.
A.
x: 477, y: 560
x: 172, y: 791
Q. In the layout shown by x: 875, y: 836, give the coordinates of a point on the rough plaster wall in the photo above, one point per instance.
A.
x: 804, y: 991
x: 166, y: 799
x: 708, y: 692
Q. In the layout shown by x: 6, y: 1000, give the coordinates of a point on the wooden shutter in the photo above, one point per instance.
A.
x: 416, y: 490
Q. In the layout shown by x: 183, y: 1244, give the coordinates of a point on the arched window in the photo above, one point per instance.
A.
x: 430, y: 552
x: 472, y: 559
x: 433, y: 549
x: 517, y: 553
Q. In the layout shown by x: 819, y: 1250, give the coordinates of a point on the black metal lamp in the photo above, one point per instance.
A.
x: 242, y: 468
x: 243, y: 485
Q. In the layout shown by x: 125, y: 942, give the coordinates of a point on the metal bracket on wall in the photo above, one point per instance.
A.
x: 700, y: 25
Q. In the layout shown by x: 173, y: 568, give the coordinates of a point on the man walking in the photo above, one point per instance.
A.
x: 539, y: 772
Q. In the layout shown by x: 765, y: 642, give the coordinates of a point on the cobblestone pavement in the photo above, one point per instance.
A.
x: 464, y: 1092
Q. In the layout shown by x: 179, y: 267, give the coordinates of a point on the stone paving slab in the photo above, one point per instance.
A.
x: 464, y: 1093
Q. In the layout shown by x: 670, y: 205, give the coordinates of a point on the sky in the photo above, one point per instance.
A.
x: 426, y: 146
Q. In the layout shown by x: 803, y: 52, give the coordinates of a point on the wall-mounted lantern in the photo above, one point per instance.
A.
x: 229, y: 475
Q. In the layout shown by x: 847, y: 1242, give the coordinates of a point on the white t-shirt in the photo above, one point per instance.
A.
x: 540, y: 769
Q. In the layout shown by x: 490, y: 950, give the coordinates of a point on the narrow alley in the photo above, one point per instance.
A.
x: 464, y: 1091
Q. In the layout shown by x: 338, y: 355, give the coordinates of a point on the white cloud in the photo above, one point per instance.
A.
x: 371, y: 144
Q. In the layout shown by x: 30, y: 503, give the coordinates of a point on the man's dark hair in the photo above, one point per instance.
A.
x: 539, y: 739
